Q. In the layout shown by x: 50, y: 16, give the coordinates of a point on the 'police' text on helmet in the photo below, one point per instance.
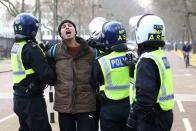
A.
x: 148, y: 28
x: 113, y: 33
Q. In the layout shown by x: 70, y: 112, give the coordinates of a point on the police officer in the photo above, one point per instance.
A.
x: 111, y: 77
x: 31, y: 74
x: 152, y: 97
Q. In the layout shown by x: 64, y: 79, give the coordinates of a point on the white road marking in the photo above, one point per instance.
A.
x: 185, y: 97
x: 8, y: 117
x: 6, y: 95
x: 187, y: 124
x: 188, y: 74
x: 183, y: 70
x: 184, y: 75
x: 180, y: 106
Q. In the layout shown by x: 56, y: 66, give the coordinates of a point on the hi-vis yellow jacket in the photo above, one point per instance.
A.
x: 165, y: 96
x: 116, y: 76
x: 19, y: 71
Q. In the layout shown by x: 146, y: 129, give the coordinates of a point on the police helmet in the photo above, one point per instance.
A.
x: 25, y: 26
x: 113, y: 33
x: 148, y: 29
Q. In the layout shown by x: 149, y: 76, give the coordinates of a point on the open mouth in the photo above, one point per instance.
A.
x: 68, y: 32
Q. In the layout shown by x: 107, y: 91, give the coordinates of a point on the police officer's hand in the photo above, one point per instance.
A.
x: 45, y: 47
x: 102, y: 97
x: 34, y: 88
x: 42, y: 46
x: 94, y: 43
x: 131, y: 61
x: 131, y: 58
x: 131, y: 121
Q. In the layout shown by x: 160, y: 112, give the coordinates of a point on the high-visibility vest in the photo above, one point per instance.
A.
x: 116, y: 76
x: 165, y: 96
x: 18, y: 69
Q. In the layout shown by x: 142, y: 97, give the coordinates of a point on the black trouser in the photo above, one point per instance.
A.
x: 77, y: 122
x: 98, y: 106
x: 32, y: 113
x: 114, y: 114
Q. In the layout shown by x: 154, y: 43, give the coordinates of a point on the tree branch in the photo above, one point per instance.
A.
x: 13, y: 10
x: 10, y: 12
x: 10, y: 7
x: 13, y: 7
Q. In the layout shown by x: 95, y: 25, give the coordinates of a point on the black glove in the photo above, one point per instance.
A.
x: 102, y: 97
x: 45, y: 47
x: 92, y: 43
x: 131, y: 61
x: 95, y: 44
x: 42, y: 46
x: 34, y: 89
x: 131, y: 121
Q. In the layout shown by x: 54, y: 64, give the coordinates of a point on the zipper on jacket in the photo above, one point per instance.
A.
x: 73, y: 88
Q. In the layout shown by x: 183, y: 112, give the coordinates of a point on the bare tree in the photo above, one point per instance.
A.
x: 16, y: 8
x: 13, y: 11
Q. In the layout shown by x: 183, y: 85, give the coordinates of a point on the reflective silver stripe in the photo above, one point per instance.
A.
x: 132, y: 82
x: 107, y: 71
x: 19, y: 73
x: 20, y: 70
x: 109, y: 79
x: 117, y: 87
x: 165, y: 98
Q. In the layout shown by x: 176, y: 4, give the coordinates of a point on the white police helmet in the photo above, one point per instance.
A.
x: 147, y: 28
x: 95, y: 26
